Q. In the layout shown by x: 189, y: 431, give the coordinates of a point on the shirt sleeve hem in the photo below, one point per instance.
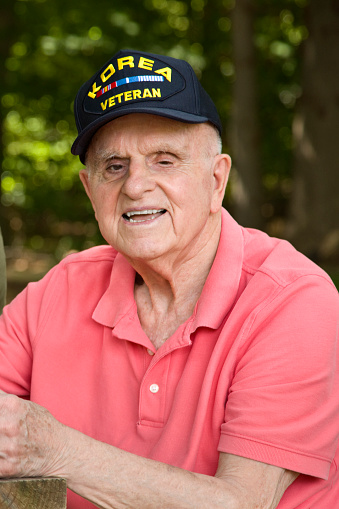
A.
x: 300, y: 462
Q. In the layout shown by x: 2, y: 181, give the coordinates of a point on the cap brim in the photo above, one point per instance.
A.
x: 81, y: 143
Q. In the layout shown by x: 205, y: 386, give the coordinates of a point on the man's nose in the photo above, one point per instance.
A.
x: 138, y: 180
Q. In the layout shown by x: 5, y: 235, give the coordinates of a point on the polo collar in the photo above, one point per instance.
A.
x: 216, y: 299
x: 222, y: 284
x: 118, y: 300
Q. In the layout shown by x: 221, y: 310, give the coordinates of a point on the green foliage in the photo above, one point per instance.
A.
x: 50, y: 48
x: 280, y: 31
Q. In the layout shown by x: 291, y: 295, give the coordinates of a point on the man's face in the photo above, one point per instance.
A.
x: 153, y: 185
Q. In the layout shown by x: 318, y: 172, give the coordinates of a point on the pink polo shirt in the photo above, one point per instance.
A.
x: 253, y: 372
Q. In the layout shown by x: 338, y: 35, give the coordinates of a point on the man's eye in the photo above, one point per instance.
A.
x: 165, y: 162
x: 114, y: 168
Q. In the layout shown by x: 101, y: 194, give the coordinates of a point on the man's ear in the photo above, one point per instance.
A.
x: 221, y: 171
x: 84, y: 177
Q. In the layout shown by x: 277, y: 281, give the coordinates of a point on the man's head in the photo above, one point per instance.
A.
x: 150, y: 137
x: 156, y: 186
x: 138, y: 82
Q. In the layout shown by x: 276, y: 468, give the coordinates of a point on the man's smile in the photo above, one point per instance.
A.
x: 143, y: 215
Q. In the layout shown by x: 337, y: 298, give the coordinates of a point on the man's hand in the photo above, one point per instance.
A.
x: 32, y: 441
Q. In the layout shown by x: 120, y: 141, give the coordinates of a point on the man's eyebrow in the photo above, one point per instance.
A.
x: 170, y: 150
x: 167, y: 152
x: 106, y: 156
x: 103, y: 156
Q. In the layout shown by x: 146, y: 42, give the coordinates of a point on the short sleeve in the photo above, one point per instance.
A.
x: 283, y: 405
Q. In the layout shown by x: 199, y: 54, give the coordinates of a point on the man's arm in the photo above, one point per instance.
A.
x: 125, y: 480
x: 33, y: 443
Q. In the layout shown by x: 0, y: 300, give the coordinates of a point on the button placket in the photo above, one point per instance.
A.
x: 152, y: 399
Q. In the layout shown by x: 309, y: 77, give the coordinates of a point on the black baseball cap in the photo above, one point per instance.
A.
x: 138, y: 82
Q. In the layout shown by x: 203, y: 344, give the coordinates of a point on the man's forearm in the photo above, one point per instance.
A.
x: 112, y: 478
x: 33, y: 443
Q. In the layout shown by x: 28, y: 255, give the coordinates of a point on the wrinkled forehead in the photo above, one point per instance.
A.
x: 146, y: 132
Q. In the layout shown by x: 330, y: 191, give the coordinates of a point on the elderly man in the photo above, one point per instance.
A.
x: 191, y: 363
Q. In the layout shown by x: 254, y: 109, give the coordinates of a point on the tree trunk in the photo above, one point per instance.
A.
x: 314, y: 212
x: 247, y: 186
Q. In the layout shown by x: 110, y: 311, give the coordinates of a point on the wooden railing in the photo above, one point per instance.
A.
x: 35, y: 493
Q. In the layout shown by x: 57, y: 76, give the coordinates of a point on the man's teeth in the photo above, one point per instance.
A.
x: 152, y: 213
x: 140, y: 212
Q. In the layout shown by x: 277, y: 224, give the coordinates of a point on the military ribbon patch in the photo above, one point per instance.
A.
x: 124, y: 81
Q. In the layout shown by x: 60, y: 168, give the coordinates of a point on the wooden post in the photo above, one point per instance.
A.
x: 33, y: 493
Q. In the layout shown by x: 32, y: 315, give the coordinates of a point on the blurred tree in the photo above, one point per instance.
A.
x: 54, y: 48
x: 314, y: 222
x: 8, y: 33
x: 279, y: 33
x: 247, y: 188
x: 50, y: 48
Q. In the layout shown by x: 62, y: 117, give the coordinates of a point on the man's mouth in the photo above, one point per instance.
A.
x: 141, y: 216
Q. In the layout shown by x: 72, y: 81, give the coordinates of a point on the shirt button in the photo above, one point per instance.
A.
x: 149, y: 351
x: 154, y: 388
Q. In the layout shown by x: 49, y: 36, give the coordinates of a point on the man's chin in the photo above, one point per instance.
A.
x: 144, y: 251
